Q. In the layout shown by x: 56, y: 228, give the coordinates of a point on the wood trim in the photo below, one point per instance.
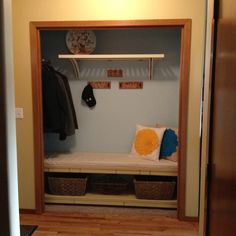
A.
x: 35, y: 27
x: 183, y: 116
x: 28, y: 211
x: 43, y: 25
x: 37, y: 117
x: 189, y: 219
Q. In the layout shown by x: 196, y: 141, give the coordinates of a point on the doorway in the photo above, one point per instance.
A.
x: 36, y: 27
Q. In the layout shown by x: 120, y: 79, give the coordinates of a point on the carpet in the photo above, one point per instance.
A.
x: 27, y: 230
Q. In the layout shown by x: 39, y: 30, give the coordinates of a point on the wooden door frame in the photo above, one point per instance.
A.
x: 35, y: 27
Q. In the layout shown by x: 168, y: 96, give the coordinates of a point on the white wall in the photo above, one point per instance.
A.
x: 10, y: 120
x: 110, y: 125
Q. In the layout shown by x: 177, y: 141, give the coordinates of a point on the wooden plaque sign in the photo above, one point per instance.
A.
x: 100, y: 84
x: 131, y: 85
x: 114, y: 73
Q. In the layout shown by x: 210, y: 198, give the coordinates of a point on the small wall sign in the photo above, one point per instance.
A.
x: 100, y: 84
x: 114, y: 73
x: 131, y: 85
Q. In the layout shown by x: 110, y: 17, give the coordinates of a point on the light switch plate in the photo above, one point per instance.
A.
x: 19, y: 113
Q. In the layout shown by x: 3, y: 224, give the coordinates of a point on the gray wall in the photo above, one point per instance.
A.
x: 110, y: 126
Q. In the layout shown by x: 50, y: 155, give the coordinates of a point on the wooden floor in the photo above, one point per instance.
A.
x: 112, y: 221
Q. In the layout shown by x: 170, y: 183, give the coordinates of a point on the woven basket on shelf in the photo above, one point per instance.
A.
x: 67, y: 185
x: 154, y: 189
x: 108, y: 184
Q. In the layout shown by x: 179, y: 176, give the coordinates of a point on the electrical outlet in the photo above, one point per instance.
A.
x: 19, y: 113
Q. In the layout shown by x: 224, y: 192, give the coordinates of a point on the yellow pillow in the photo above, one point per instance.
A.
x: 147, y: 142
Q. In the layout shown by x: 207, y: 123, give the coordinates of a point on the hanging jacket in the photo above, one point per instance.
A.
x: 68, y: 92
x: 58, y: 111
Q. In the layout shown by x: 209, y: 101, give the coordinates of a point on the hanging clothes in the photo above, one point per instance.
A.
x: 58, y: 109
x: 70, y: 99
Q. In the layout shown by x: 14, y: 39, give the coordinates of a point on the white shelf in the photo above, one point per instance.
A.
x: 111, y: 200
x: 75, y: 57
x: 111, y: 56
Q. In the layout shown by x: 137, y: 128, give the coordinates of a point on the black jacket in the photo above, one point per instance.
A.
x: 57, y: 103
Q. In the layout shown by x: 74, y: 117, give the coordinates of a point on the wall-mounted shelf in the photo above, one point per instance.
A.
x: 111, y: 56
x: 73, y: 58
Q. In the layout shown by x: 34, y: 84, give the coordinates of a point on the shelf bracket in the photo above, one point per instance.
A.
x: 75, y: 67
x: 150, y: 68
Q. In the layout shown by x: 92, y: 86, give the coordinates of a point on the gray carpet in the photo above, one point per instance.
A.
x: 118, y: 211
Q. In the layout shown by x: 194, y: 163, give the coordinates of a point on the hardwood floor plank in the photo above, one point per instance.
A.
x: 102, y: 221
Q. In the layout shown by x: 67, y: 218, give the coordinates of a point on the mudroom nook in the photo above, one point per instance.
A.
x: 128, y: 147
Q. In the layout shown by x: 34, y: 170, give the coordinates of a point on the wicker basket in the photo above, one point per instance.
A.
x: 156, y: 188
x: 67, y: 184
x: 108, y: 184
